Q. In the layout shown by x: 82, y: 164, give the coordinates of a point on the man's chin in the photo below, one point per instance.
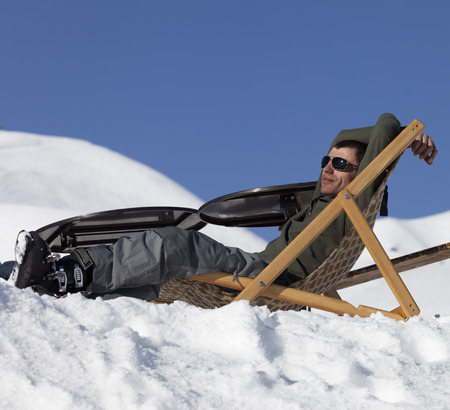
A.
x: 328, y: 194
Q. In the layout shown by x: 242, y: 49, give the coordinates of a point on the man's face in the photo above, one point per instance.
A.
x: 334, y: 181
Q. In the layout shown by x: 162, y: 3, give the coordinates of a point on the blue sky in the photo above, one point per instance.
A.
x: 223, y: 96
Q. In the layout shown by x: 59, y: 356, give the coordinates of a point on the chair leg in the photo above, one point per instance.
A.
x: 393, y: 279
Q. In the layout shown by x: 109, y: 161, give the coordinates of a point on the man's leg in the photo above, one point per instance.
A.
x: 6, y: 269
x: 136, y: 266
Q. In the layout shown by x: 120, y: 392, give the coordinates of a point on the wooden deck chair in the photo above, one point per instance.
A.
x: 211, y: 289
x: 203, y: 293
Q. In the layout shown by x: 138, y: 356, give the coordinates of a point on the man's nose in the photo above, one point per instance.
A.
x: 328, y: 168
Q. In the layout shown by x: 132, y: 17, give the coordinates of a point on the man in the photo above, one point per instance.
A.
x: 137, y: 266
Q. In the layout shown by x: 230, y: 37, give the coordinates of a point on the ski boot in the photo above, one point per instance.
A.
x: 37, y: 267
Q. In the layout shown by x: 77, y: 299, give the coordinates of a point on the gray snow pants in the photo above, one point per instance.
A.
x: 138, y: 265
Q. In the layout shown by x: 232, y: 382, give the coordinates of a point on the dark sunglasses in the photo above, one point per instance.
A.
x: 339, y: 164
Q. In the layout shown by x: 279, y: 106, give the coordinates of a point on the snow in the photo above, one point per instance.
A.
x: 76, y: 353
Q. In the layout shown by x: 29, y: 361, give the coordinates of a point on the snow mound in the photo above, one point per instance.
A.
x: 126, y: 353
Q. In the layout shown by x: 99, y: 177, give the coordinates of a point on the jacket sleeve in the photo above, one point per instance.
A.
x: 382, y: 134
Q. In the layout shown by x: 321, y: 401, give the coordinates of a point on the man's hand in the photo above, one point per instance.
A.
x: 424, y: 146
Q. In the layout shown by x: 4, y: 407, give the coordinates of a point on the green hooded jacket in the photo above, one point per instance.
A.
x: 377, y: 138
